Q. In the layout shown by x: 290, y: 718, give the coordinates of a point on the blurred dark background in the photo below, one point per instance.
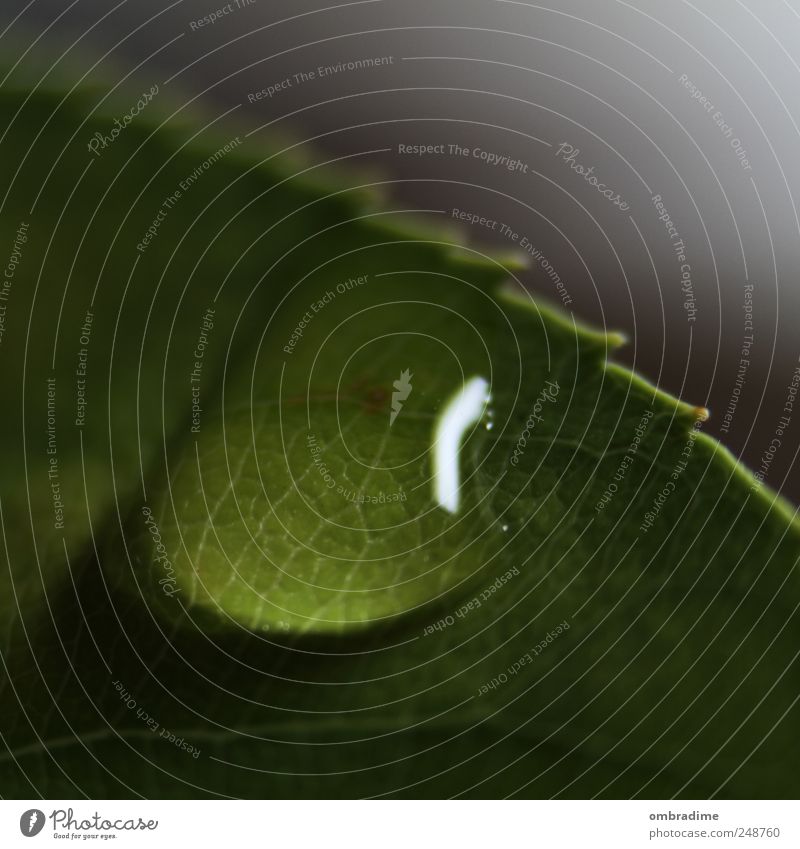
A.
x: 695, y: 103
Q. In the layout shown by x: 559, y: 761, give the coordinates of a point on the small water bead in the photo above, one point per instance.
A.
x: 465, y: 409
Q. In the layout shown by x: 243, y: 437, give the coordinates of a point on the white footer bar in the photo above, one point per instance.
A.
x: 402, y: 824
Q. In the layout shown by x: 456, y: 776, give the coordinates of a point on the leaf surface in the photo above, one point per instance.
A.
x: 611, y: 610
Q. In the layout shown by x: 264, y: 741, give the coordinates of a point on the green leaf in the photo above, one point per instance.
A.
x: 256, y: 591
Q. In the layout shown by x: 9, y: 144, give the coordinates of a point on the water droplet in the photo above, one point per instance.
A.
x: 465, y: 409
x: 489, y: 425
x: 505, y: 527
